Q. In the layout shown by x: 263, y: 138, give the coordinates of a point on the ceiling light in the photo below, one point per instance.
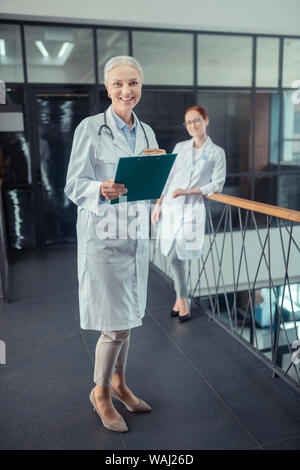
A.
x: 2, y: 47
x: 65, y: 50
x: 42, y: 48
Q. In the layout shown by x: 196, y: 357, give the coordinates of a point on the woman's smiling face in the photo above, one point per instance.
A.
x: 124, y: 86
x: 195, y: 123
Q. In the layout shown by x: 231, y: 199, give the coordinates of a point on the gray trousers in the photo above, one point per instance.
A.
x: 110, y: 356
x: 178, y: 273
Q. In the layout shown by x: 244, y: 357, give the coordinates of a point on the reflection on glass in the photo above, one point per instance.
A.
x: 289, y: 191
x: 266, y: 189
x: 267, y: 131
x: 230, y: 115
x: 166, y: 58
x: 58, y: 115
x: 111, y: 43
x: 164, y: 112
x: 20, y: 223
x: 291, y: 63
x: 11, y: 62
x: 224, y: 60
x: 290, y: 133
x: 59, y: 55
x: 239, y: 186
x: 267, y: 62
x: 15, y: 163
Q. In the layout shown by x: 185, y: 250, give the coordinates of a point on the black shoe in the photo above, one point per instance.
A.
x: 173, y: 313
x: 186, y: 317
x: 183, y: 318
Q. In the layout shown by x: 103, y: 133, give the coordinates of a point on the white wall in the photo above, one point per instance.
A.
x: 261, y: 16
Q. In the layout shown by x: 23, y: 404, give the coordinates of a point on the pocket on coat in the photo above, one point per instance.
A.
x: 105, y: 170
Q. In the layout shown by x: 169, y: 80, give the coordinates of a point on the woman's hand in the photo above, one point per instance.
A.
x: 156, y: 214
x: 111, y: 190
x: 179, y: 192
x: 154, y: 152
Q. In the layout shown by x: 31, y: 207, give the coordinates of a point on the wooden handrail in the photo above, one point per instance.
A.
x: 261, y: 207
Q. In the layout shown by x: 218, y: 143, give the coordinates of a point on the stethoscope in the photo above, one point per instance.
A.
x: 105, y: 127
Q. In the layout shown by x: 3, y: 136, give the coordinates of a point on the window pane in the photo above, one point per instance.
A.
x: 230, y: 124
x: 289, y: 191
x: 11, y: 62
x: 160, y: 55
x: 291, y: 63
x: 290, y: 133
x: 224, y: 60
x: 266, y: 131
x: 266, y: 189
x: 267, y: 62
x: 15, y: 164
x: 238, y: 186
x: 164, y: 112
x: 59, y: 55
x: 57, y: 117
x: 111, y: 43
x: 284, y: 192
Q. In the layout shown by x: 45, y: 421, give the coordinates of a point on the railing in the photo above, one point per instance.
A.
x: 248, y: 278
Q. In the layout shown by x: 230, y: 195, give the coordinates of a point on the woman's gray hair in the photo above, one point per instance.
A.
x: 121, y: 60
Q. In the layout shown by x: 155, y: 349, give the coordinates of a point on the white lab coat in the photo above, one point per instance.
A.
x: 112, y: 273
x: 183, y: 218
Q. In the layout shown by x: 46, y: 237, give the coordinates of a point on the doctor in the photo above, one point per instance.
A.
x: 112, y: 272
x: 199, y: 170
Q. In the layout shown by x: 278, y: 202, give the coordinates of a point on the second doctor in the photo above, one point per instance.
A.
x: 199, y: 170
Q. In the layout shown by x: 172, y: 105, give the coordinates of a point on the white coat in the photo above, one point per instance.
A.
x: 112, y: 273
x: 183, y: 218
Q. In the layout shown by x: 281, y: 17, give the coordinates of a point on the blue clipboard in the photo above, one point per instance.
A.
x: 144, y: 176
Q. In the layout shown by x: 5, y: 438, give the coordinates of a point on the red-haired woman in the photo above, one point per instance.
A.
x: 199, y: 170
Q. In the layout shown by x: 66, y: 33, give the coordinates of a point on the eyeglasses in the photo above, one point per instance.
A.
x: 194, y: 121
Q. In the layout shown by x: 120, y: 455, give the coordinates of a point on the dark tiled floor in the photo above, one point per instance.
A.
x: 206, y: 390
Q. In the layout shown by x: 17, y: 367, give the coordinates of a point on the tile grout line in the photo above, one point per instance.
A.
x: 208, y: 384
x: 281, y: 440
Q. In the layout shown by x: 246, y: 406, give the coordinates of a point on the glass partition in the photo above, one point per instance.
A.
x: 291, y: 63
x: 290, y: 158
x: 224, y: 60
x: 267, y: 62
x: 230, y: 114
x: 166, y: 58
x: 164, y: 112
x: 59, y: 55
x: 111, y: 43
x: 11, y: 62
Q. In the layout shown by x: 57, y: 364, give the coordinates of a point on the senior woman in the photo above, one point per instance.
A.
x: 113, y: 270
x: 199, y: 170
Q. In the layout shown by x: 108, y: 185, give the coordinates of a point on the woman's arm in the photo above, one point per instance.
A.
x: 218, y: 176
x: 82, y: 186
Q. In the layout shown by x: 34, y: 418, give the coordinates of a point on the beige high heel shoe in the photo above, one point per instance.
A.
x: 140, y: 407
x: 118, y: 426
